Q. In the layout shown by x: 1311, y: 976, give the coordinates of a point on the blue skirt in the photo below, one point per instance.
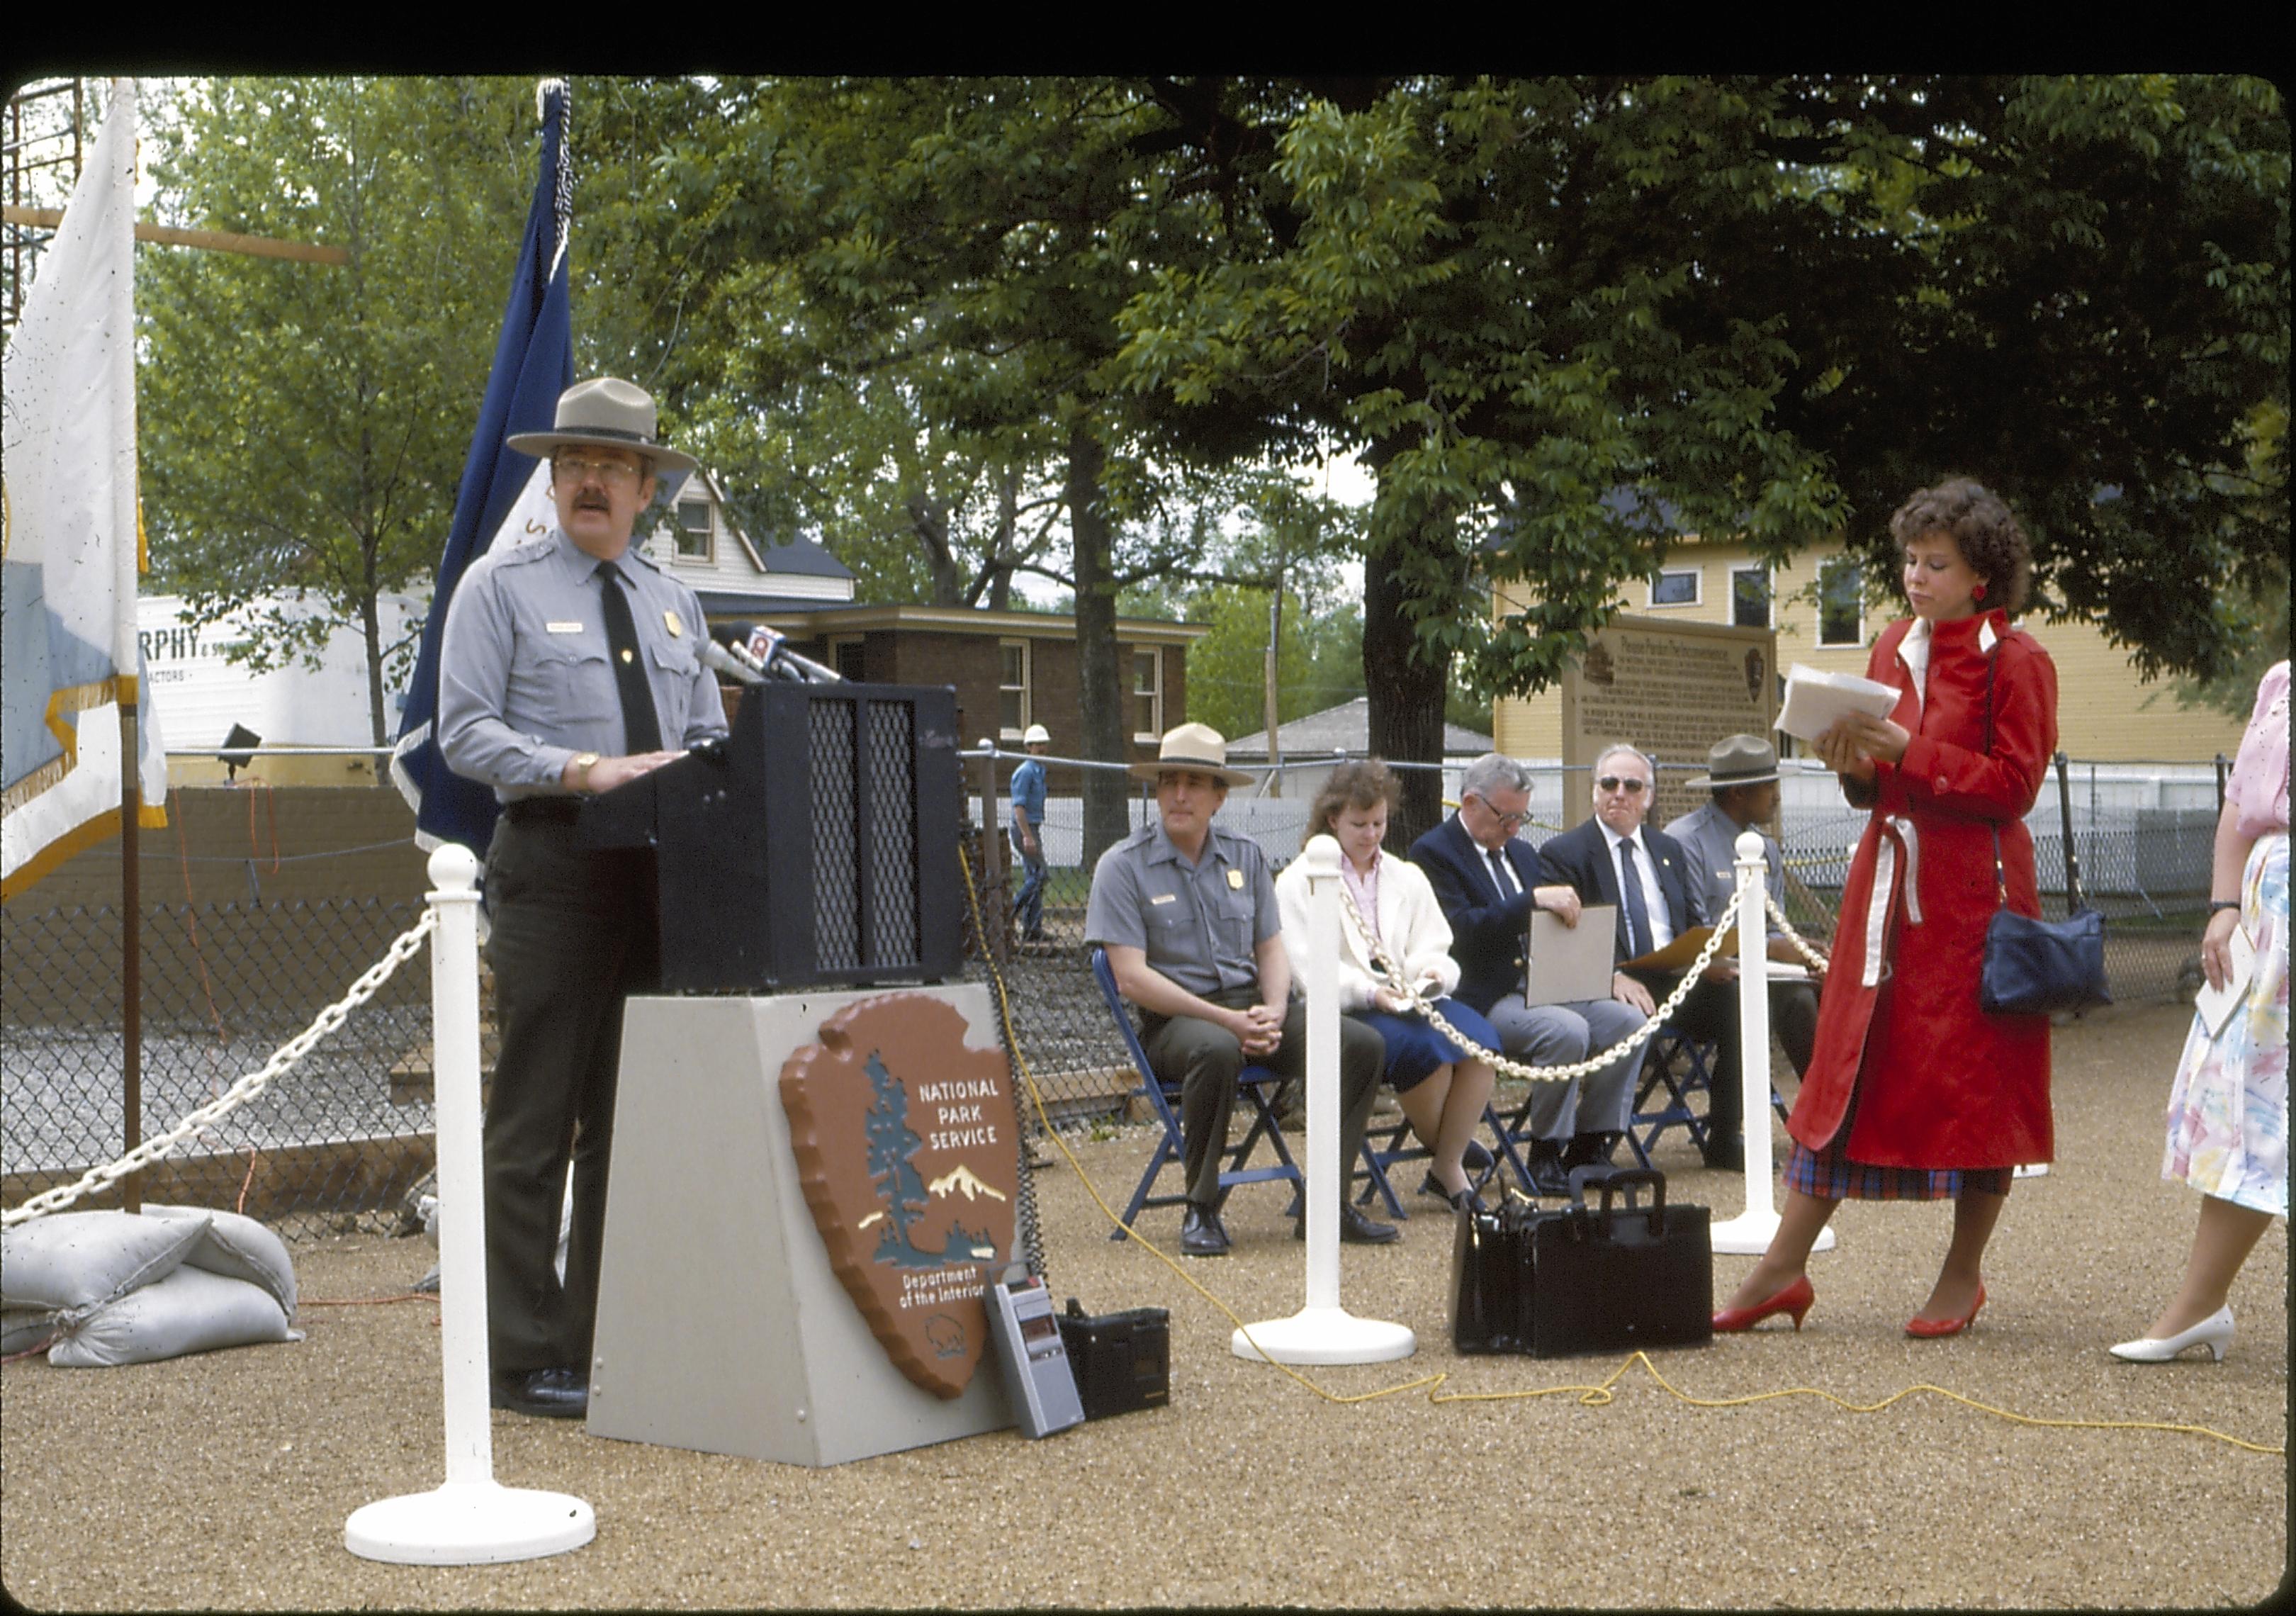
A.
x: 1414, y: 1049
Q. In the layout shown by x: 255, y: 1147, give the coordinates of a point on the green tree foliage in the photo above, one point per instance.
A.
x: 304, y: 426
x: 1570, y: 320
x: 899, y: 307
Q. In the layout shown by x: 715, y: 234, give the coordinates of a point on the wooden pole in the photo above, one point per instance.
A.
x: 214, y: 241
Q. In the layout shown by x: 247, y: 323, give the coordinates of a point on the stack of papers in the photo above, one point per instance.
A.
x: 2215, y: 1005
x: 1815, y: 699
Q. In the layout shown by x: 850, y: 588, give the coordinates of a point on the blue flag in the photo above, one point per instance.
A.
x: 502, y: 490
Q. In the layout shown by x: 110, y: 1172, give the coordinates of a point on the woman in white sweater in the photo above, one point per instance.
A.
x: 1442, y: 1088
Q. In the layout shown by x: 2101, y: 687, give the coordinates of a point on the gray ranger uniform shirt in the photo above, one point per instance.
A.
x: 524, y: 684
x: 1200, y: 925
x: 1712, y: 840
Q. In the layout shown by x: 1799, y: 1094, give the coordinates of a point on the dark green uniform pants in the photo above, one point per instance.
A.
x: 1205, y: 1060
x: 573, y: 931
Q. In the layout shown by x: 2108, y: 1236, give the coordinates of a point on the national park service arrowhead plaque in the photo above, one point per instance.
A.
x: 908, y: 1155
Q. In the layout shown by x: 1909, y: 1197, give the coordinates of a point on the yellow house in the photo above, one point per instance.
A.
x: 1816, y: 605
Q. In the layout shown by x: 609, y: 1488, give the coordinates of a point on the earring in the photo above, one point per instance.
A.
x: 1979, y: 593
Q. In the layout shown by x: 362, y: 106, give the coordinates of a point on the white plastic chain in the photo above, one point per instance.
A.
x: 1802, y: 946
x: 239, y: 1093
x: 1593, y: 1062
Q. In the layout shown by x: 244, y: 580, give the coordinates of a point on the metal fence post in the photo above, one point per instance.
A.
x: 2065, y: 818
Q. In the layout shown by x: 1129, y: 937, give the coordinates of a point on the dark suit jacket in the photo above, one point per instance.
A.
x: 1581, y: 857
x: 1486, y: 935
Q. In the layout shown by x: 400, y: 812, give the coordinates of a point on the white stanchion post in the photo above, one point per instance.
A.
x: 1324, y: 1332
x: 1749, y: 1234
x: 470, y: 1520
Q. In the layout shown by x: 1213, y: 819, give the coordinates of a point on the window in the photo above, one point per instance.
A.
x: 1749, y: 597
x: 1013, y: 686
x: 693, y: 530
x: 1840, y: 604
x: 1676, y: 588
x: 1147, y: 694
x: 846, y: 655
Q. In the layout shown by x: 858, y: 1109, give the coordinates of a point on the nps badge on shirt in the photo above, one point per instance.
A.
x: 669, y: 621
x: 1236, y: 880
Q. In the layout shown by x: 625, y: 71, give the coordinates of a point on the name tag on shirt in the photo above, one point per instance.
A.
x: 564, y: 627
x: 1163, y: 897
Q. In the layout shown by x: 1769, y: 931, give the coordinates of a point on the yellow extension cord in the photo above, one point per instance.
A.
x: 1588, y: 1396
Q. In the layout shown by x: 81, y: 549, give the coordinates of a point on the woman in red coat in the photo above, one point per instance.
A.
x: 1914, y: 1093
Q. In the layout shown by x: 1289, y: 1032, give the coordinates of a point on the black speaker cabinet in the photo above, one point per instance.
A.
x: 818, y: 848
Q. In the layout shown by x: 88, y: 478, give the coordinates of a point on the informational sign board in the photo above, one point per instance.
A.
x: 1672, y: 689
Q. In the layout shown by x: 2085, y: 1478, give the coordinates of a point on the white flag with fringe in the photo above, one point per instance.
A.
x: 67, y: 567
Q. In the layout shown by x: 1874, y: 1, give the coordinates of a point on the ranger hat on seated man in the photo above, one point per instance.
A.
x: 1195, y: 749
x: 1737, y: 761
x: 605, y: 413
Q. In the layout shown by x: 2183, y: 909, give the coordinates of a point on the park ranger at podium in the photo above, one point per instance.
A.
x: 569, y: 667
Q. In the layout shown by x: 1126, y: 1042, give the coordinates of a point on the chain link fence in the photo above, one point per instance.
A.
x: 344, y: 1140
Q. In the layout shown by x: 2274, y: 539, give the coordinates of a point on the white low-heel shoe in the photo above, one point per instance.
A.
x: 2214, y: 1333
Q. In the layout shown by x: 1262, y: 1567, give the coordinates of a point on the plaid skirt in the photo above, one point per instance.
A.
x: 1833, y: 1175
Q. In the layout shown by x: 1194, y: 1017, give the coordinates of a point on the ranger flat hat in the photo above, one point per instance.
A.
x: 606, y: 413
x: 1737, y: 761
x: 1196, y: 749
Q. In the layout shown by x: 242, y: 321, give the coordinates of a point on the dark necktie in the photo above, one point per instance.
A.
x: 1630, y: 893
x: 1507, y: 889
x: 642, y: 729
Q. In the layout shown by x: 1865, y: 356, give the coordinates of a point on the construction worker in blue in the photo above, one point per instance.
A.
x: 1027, y: 834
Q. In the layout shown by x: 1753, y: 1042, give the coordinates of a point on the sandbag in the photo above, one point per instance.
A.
x: 191, y: 1311
x: 72, y: 1262
x: 238, y: 1247
x: 22, y: 1329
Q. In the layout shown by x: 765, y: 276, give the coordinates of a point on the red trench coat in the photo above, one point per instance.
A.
x: 1940, y: 1083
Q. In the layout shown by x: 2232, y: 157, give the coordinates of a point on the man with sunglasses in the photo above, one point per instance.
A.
x: 1615, y: 858
x: 1487, y: 880
x: 569, y: 666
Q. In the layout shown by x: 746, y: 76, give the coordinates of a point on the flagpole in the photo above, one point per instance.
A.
x: 128, y: 667
x: 131, y: 946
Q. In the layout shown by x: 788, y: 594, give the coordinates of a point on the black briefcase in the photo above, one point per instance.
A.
x: 1577, y: 1279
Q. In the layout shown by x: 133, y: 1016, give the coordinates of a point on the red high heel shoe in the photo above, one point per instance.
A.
x: 1794, y: 1299
x: 1931, y: 1329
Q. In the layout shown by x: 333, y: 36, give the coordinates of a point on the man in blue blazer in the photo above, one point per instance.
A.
x: 1661, y: 899
x: 1487, y: 880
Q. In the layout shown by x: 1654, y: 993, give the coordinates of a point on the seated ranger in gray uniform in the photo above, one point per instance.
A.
x: 1187, y: 913
x: 568, y: 668
x: 1742, y: 775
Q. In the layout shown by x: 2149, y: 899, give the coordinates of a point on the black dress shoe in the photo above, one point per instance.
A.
x: 1355, y: 1228
x: 554, y: 1394
x: 1478, y: 1162
x: 1590, y: 1149
x: 1201, y: 1232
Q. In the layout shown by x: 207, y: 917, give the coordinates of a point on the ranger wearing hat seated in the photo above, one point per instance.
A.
x: 568, y: 666
x: 1187, y: 913
x: 1742, y: 776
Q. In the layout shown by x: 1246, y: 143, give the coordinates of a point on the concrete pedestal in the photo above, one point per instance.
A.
x: 721, y: 1326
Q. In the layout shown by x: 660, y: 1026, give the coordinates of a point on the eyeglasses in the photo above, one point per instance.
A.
x: 578, y: 468
x: 1507, y: 822
x: 1621, y: 782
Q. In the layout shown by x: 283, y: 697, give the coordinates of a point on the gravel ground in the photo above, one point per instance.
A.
x: 224, y: 1479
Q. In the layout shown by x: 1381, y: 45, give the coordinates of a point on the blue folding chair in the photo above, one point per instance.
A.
x: 1668, y: 1046
x: 1401, y: 1146
x: 1256, y: 1084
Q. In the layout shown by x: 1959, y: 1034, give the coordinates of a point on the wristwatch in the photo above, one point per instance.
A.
x: 585, y: 762
x: 2223, y: 903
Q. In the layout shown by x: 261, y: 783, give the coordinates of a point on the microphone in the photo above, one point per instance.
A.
x: 767, y: 651
x: 718, y: 657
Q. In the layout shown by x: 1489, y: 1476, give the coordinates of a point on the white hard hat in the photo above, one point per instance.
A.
x: 1036, y: 734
